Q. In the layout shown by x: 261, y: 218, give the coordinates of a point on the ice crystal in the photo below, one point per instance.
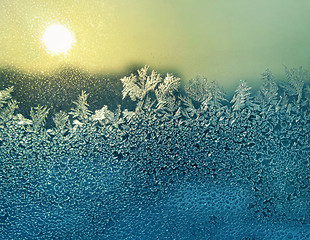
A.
x: 197, y: 89
x: 61, y: 120
x: 307, y: 97
x: 128, y: 114
x: 188, y: 109
x: 5, y: 95
x: 105, y: 116
x: 268, y: 92
x: 81, y: 111
x: 208, y: 94
x: 38, y: 116
x: 296, y: 80
x: 165, y: 91
x: 215, y: 97
x: 21, y: 120
x: 242, y: 97
x: 137, y: 87
x: 7, y: 113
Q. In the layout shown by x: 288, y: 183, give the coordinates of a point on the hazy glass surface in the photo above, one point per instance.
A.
x: 223, y: 40
x: 140, y: 119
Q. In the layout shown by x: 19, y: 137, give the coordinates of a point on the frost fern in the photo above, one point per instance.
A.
x: 137, y: 87
x: 268, y: 92
x: 215, y: 97
x: 165, y: 92
x: 140, y: 88
x: 38, y: 116
x: 8, y: 112
x: 81, y: 111
x: 5, y: 95
x: 296, y: 80
x: 242, y: 97
x: 61, y: 120
x: 207, y: 94
x: 197, y: 89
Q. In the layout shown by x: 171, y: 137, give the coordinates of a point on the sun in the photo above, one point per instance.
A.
x: 58, y: 39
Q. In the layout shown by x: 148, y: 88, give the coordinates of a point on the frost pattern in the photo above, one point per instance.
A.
x: 165, y: 91
x: 296, y: 79
x: 183, y: 165
x: 242, y: 97
x: 268, y: 92
x: 38, y: 116
x: 140, y: 88
x: 207, y: 94
x: 81, y: 112
x: 7, y: 105
x: 5, y: 95
x: 137, y: 87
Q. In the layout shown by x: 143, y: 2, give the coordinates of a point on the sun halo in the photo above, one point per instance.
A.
x: 58, y: 39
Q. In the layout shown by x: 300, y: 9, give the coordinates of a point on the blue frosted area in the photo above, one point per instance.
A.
x: 166, y: 170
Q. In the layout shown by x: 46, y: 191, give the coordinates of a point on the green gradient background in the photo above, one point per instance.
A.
x: 223, y: 40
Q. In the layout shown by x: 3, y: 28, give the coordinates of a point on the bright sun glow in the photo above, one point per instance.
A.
x: 58, y: 39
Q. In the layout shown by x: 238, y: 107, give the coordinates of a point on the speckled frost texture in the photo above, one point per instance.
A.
x: 184, y: 164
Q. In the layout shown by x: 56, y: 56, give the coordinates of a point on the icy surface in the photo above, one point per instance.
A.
x: 183, y: 165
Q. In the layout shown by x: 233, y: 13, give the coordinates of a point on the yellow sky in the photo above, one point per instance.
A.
x: 224, y: 40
